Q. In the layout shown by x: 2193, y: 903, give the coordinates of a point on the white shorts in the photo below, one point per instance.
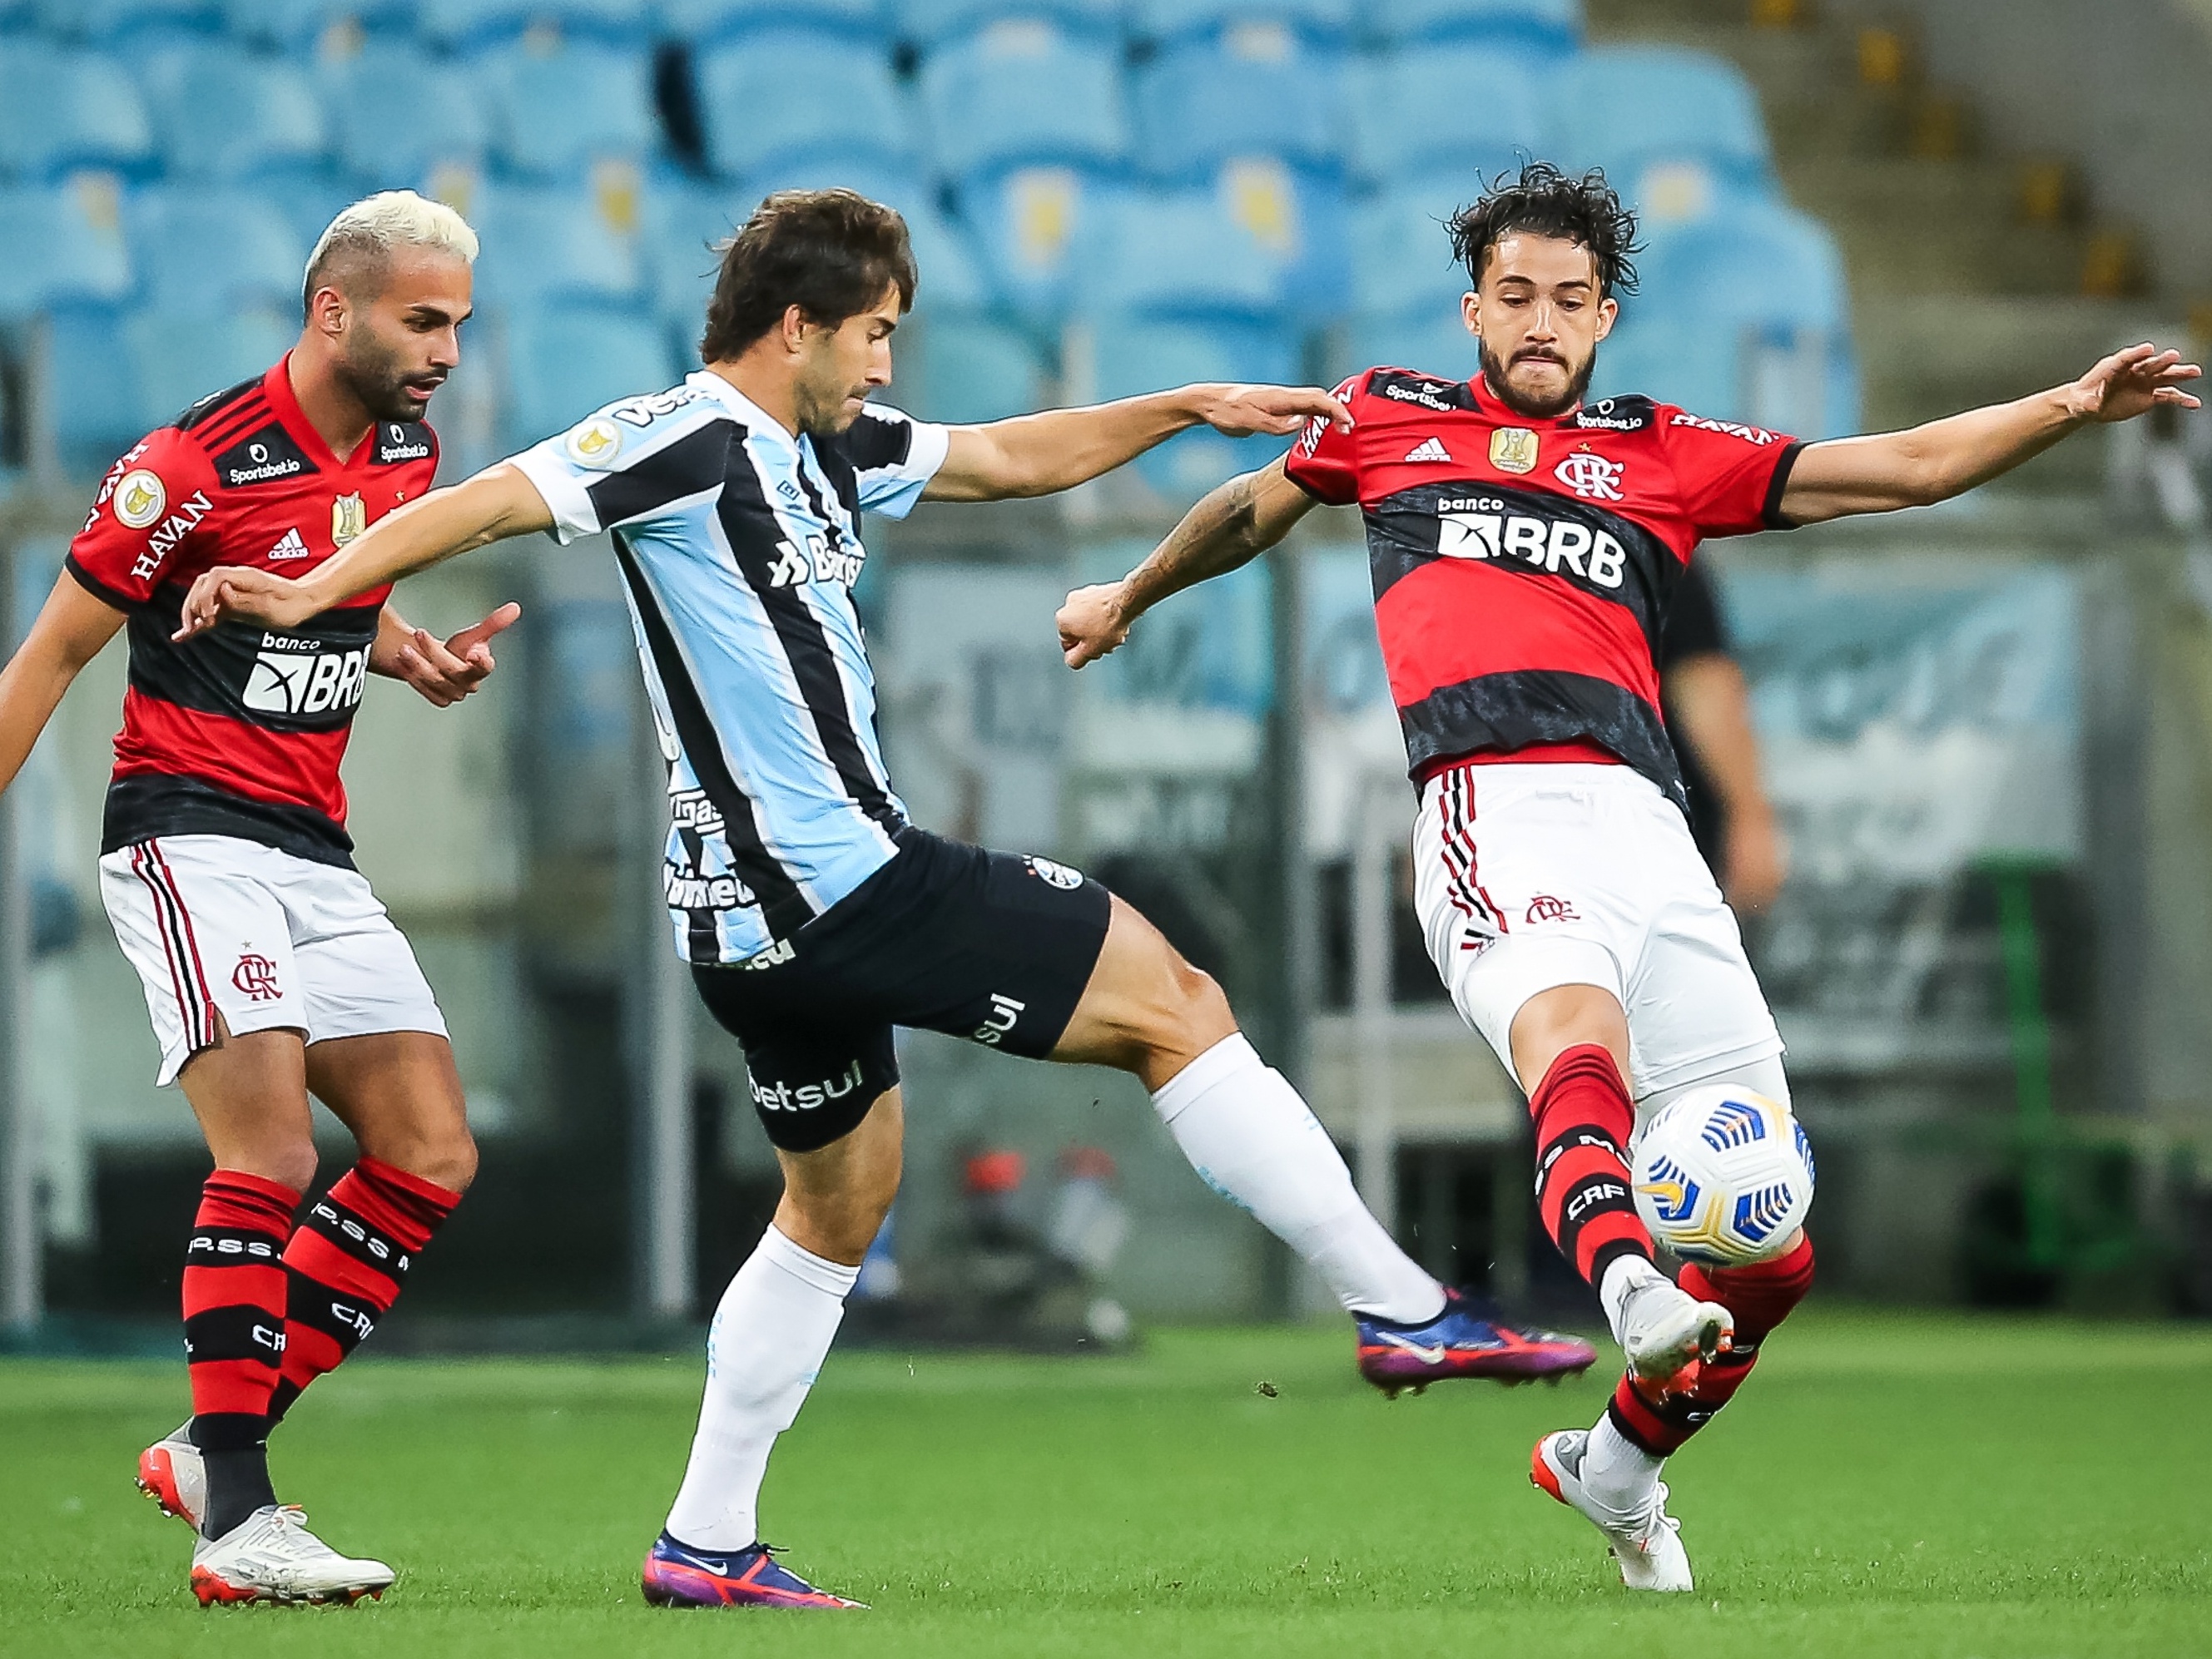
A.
x: 214, y: 922
x: 1528, y: 877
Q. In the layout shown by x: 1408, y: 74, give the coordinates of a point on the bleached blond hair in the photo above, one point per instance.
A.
x: 363, y: 237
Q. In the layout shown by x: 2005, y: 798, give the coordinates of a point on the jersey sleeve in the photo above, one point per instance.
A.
x: 626, y: 465
x: 1730, y: 477
x: 143, y: 521
x: 893, y: 457
x: 1324, y: 462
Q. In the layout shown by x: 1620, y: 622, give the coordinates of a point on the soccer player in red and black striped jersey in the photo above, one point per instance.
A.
x: 269, y: 967
x: 1524, y: 548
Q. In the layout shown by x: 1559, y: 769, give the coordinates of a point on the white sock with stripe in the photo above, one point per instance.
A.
x: 769, y: 1336
x: 1253, y: 1141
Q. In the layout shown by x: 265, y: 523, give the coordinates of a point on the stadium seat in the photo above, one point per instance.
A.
x: 1257, y: 90
x: 1499, y: 112
x: 1026, y: 223
x: 1022, y: 91
x: 1431, y: 343
x: 1174, y: 253
x: 61, y: 107
x: 966, y: 369
x: 555, y: 112
x: 893, y: 180
x: 1401, y: 252
x: 223, y: 116
x: 1549, y: 27
x: 174, y: 361
x: 472, y: 25
x: 91, y: 403
x: 770, y: 95
x: 1320, y: 22
x: 397, y: 117
x: 552, y: 247
x: 65, y: 246
x: 1660, y: 118
x: 108, y: 22
x: 708, y: 22
x: 292, y: 26
x: 208, y: 253
x: 1134, y: 355
x: 680, y: 228
x: 926, y: 24
x: 563, y: 361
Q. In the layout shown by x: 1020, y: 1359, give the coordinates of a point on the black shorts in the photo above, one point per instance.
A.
x: 945, y: 938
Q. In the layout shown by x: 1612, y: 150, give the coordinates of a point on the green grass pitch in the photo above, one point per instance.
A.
x: 1889, y: 1483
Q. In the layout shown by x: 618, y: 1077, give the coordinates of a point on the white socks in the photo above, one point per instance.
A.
x: 1254, y: 1141
x: 1618, y: 1475
x: 769, y: 1339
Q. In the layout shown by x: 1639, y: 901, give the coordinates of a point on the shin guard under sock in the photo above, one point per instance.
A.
x: 1584, y: 1119
x: 234, y: 1295
x: 346, y: 1262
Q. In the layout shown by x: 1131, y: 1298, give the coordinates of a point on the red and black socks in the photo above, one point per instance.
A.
x: 1584, y: 1119
x: 1760, y: 1296
x: 234, y: 1297
x: 347, y: 1263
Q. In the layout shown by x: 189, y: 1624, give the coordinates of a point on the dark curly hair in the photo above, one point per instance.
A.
x: 833, y: 253
x: 1585, y: 210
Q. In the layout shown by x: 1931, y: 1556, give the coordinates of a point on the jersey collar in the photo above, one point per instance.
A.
x: 277, y: 387
x: 757, y: 421
x: 1498, y: 409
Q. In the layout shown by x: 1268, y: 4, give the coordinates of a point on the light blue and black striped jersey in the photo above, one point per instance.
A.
x: 738, y: 545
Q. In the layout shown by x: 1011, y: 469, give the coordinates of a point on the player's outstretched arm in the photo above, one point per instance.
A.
x: 1231, y: 525
x: 71, y: 631
x: 495, y: 504
x: 1948, y: 457
x: 1060, y: 448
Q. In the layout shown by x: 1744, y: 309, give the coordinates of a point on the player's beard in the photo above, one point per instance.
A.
x: 1493, y: 371
x: 379, y: 377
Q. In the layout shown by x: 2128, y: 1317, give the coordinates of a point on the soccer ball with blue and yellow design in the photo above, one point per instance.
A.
x: 1723, y: 1176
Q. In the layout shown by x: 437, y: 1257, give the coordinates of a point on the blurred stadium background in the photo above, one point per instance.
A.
x: 1988, y: 728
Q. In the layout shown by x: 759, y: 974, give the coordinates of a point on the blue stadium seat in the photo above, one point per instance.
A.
x: 1321, y: 21
x: 1656, y: 116
x: 928, y: 23
x: 1454, y: 105
x: 61, y: 107
x: 708, y: 22
x: 107, y: 23
x: 1174, y: 253
x: 208, y: 253
x: 285, y: 25
x: 92, y: 405
x: 1549, y: 27
x: 967, y: 369
x: 1135, y: 354
x: 1026, y: 224
x: 308, y: 202
x: 1022, y: 90
x: 472, y: 25
x: 1257, y: 90
x: 1300, y: 220
x: 221, y: 115
x: 895, y: 182
x: 556, y: 112
x: 65, y: 246
x: 563, y: 361
x: 1429, y: 342
x: 768, y: 96
x: 174, y: 361
x: 1402, y: 256
x: 397, y: 117
x: 680, y: 228
x: 552, y: 247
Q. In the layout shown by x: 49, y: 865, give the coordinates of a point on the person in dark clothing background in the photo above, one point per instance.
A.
x: 1708, y: 708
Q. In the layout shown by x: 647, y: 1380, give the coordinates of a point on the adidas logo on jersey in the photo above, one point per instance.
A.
x: 1429, y: 449
x: 289, y: 546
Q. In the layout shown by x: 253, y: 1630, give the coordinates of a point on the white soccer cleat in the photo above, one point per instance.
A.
x: 172, y: 1473
x: 1665, y: 1332
x: 1649, y: 1548
x: 271, y: 1556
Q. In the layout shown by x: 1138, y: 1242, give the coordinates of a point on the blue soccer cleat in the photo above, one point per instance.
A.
x: 1465, y: 1339
x: 677, y: 1577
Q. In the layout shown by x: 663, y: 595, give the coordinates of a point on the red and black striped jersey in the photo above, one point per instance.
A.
x: 1522, y: 567
x: 239, y: 730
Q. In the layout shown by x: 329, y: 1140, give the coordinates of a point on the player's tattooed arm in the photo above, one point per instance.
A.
x: 1947, y: 457
x: 1230, y: 526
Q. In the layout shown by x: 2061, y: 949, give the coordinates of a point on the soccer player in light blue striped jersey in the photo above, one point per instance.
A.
x: 815, y: 917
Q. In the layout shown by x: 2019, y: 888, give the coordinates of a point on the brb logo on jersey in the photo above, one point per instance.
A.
x: 297, y: 676
x: 1479, y: 527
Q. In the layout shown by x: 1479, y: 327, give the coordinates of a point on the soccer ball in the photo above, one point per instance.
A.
x: 1723, y: 1176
